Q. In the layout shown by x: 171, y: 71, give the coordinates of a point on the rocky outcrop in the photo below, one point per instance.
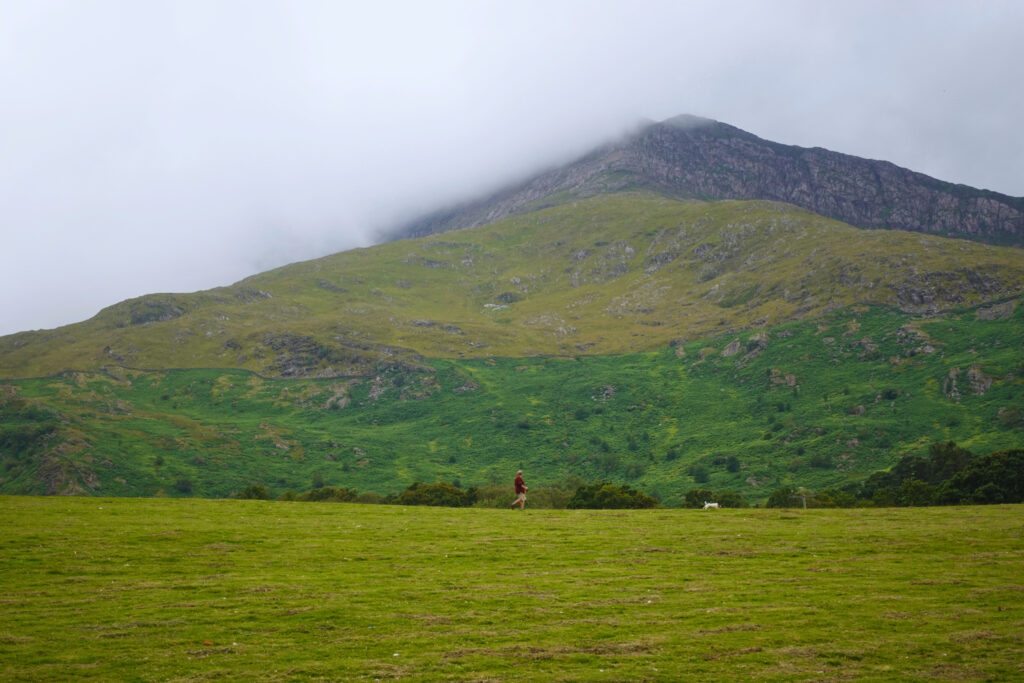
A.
x: 690, y: 157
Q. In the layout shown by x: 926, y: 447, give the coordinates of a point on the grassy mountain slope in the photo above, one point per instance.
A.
x: 613, y: 274
x: 813, y: 402
x: 630, y: 337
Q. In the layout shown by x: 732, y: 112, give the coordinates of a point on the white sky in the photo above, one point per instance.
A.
x: 150, y: 145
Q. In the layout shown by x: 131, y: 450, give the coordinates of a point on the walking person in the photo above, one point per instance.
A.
x: 520, y: 492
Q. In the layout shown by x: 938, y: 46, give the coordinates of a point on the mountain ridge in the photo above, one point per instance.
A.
x: 624, y: 335
x: 688, y: 157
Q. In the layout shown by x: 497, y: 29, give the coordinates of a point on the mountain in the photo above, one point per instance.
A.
x: 688, y: 157
x: 594, y: 325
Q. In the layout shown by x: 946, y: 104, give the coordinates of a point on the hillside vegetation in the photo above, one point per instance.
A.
x: 610, y: 275
x: 630, y: 338
x: 131, y: 589
x: 816, y: 403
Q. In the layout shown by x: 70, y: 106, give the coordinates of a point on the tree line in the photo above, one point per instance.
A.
x: 948, y: 475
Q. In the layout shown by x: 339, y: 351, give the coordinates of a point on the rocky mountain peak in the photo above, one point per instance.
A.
x: 690, y: 157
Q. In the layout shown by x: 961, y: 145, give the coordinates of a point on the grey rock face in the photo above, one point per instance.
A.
x: 692, y: 158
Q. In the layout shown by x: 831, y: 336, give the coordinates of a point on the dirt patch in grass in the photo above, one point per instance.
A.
x: 714, y: 656
x: 727, y: 629
x: 534, y: 652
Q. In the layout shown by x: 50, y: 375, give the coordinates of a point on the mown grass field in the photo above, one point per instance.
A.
x: 151, y: 589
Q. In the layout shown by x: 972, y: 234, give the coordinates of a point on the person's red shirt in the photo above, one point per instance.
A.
x: 520, y: 486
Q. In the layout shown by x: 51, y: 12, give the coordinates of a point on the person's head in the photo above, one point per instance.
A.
x: 519, y: 472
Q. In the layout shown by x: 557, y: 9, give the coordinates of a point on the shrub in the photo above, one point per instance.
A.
x: 254, y: 492
x: 915, y: 492
x: 731, y: 499
x: 440, y: 494
x: 608, y: 462
x: 695, y: 498
x: 784, y: 497
x: 183, y: 485
x: 634, y: 470
x: 699, y: 473
x: 838, y: 498
x: 608, y: 496
x: 820, y: 460
x: 328, y: 494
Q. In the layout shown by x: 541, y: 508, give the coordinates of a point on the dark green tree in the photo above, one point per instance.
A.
x: 784, y: 497
x: 329, y: 494
x: 254, y: 492
x: 440, y: 494
x: 695, y: 498
x: 608, y: 496
x: 731, y: 499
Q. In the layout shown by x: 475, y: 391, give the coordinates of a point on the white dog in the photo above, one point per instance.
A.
x: 708, y: 506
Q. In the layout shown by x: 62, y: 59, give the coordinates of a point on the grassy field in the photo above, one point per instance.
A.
x: 150, y: 589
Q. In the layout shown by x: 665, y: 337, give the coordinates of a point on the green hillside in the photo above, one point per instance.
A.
x: 813, y: 403
x: 668, y: 345
x: 609, y: 275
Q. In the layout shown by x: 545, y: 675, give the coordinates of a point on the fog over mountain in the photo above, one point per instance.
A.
x: 174, y: 146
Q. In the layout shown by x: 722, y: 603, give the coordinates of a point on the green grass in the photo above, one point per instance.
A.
x: 148, y: 589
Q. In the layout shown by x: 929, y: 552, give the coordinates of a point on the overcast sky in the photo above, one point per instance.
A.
x: 150, y: 146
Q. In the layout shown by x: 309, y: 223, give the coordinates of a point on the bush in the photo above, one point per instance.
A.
x: 254, y: 492
x: 695, y: 498
x: 183, y: 485
x: 731, y: 499
x: 838, y: 498
x: 784, y: 497
x: 18, y: 440
x: 634, y: 470
x: 699, y: 473
x: 328, y: 494
x: 440, y: 494
x: 820, y: 460
x: 608, y: 496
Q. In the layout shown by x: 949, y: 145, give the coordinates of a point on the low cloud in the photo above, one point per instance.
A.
x: 175, y: 146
